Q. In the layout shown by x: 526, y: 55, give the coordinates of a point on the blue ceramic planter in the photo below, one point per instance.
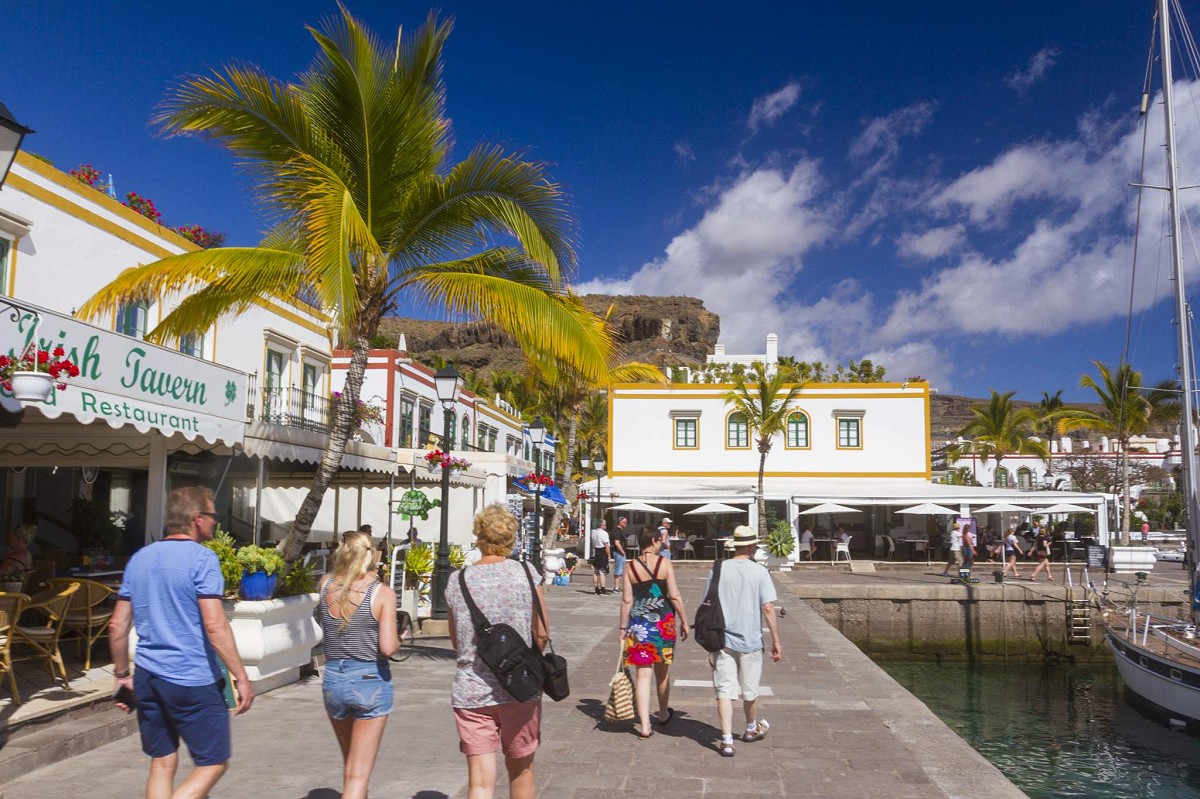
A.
x: 257, y: 586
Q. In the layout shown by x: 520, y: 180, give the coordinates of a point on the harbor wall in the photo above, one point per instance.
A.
x: 984, y: 621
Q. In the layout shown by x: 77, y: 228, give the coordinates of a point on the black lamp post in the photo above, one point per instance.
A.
x: 12, y: 133
x: 446, y: 382
x: 597, y: 466
x: 537, y: 434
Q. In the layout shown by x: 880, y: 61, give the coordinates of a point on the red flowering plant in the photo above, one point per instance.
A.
x: 445, y: 460
x: 543, y: 480
x: 198, y: 235
x: 86, y: 173
x: 144, y: 206
x: 364, y: 412
x: 53, y: 362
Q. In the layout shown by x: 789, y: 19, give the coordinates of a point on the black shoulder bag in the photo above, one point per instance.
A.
x: 554, y: 667
x: 515, y: 664
x: 709, y: 628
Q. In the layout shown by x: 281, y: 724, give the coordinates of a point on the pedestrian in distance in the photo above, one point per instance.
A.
x: 747, y: 598
x: 969, y: 547
x: 358, y: 621
x: 664, y: 537
x: 1012, y: 548
x: 806, y: 542
x: 954, y: 553
x: 601, y: 557
x: 652, y: 620
x: 488, y: 719
x: 19, y: 558
x: 618, y: 552
x: 1041, y: 551
x: 171, y: 593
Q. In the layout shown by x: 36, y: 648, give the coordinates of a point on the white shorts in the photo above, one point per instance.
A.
x: 734, y: 671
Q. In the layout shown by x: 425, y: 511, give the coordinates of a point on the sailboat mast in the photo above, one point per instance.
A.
x: 1187, y: 445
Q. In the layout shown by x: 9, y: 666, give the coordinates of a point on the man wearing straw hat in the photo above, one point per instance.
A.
x: 746, y: 594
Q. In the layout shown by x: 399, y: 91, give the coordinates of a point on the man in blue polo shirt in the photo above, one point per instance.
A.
x: 172, y: 594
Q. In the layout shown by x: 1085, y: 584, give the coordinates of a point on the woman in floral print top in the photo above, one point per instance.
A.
x: 652, y: 619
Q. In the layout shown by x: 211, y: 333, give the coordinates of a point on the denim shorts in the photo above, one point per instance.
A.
x: 618, y: 564
x: 359, y: 689
x: 167, y: 711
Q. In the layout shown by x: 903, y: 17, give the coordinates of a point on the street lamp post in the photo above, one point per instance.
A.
x: 598, y: 467
x: 537, y: 434
x: 446, y: 382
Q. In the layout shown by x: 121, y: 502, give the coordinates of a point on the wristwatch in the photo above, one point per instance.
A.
x: 120, y: 675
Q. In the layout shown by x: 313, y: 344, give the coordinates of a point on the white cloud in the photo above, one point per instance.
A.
x: 878, y: 146
x: 684, y: 152
x: 915, y: 359
x: 1041, y: 63
x: 770, y: 107
x: 932, y: 244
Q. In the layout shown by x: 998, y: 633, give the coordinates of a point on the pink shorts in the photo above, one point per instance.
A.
x: 514, y: 727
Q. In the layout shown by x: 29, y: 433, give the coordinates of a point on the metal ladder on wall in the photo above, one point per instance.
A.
x: 1079, y: 615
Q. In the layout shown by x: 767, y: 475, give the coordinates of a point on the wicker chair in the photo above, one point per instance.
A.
x: 43, y: 639
x: 88, y: 614
x: 11, y: 606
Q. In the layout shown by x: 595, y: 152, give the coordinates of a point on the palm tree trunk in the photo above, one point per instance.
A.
x: 762, y: 505
x: 331, y: 459
x: 568, y: 487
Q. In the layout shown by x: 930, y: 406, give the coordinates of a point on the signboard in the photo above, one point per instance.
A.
x: 413, y: 503
x: 126, y: 381
x: 1096, y: 557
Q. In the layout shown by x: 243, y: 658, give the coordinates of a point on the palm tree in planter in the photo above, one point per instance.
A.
x: 764, y: 401
x: 999, y: 430
x: 353, y: 158
x: 1128, y: 410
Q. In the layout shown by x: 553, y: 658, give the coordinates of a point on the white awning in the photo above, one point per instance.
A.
x: 852, y: 491
x: 276, y: 442
x: 127, y: 382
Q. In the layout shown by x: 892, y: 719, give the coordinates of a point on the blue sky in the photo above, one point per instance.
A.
x: 942, y: 187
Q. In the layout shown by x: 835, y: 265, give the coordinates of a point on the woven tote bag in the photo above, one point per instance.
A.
x: 619, y: 706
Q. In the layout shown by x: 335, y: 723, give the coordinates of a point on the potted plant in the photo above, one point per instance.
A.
x: 261, y: 567
x: 437, y: 459
x: 35, y: 373
x: 418, y: 573
x: 12, y: 582
x: 781, y: 541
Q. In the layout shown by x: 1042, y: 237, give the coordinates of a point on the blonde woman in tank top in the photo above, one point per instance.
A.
x: 358, y: 618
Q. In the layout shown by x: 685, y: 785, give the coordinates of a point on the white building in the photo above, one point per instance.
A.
x: 864, y: 446
x: 245, y: 400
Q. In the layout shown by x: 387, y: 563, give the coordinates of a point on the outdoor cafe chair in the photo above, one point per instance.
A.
x: 11, y: 606
x: 842, y: 547
x: 88, y: 613
x: 43, y: 639
x: 689, y: 546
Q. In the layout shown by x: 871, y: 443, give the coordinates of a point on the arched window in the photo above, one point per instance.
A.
x: 1002, y: 479
x: 453, y: 434
x: 1025, y: 479
x: 797, y: 431
x: 466, y: 432
x: 737, y: 431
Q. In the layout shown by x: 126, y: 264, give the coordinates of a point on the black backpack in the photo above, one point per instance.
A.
x: 709, y: 627
x: 515, y: 664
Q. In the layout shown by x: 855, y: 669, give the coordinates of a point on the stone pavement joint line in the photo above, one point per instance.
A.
x: 840, y: 729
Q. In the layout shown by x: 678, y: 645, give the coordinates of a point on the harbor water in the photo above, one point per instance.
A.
x: 1061, y: 731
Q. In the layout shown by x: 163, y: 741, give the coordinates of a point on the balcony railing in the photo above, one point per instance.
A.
x: 289, y: 406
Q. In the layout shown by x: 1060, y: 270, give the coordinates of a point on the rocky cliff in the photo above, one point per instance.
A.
x: 665, y: 331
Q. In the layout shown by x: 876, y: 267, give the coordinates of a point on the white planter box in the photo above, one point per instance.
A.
x: 1126, y: 560
x: 274, y: 638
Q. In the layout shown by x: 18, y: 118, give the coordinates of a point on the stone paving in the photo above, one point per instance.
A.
x: 839, y: 728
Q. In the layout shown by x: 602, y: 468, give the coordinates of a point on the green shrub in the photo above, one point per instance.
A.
x: 419, y: 560
x: 254, y: 558
x: 225, y: 547
x: 301, y: 578
x: 780, y: 539
x: 457, y: 557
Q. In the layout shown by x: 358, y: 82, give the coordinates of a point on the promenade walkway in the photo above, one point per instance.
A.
x: 839, y: 728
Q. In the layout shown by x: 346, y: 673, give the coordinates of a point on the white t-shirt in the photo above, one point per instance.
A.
x: 744, y: 588
x: 599, y: 539
x: 806, y: 541
x: 956, y: 537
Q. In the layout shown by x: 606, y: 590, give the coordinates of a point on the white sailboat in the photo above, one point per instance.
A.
x: 1159, y: 659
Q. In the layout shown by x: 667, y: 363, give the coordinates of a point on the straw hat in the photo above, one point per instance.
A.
x: 743, y: 536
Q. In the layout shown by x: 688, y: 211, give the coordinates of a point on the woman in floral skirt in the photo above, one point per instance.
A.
x: 652, y: 619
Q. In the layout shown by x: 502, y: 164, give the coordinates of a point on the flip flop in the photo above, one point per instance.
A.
x: 644, y: 737
x: 670, y: 715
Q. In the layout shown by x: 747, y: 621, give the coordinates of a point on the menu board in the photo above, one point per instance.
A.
x: 1096, y: 557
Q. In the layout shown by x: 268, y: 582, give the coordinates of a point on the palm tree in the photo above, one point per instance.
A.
x: 352, y: 157
x: 1129, y: 410
x: 999, y: 430
x: 1048, y: 406
x: 765, y: 400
